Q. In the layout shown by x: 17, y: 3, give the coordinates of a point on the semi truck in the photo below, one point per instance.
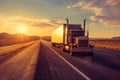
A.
x: 72, y: 38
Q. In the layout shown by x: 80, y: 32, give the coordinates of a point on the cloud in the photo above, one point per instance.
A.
x: 42, y: 23
x: 105, y: 11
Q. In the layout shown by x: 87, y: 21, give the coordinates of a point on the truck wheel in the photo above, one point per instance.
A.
x: 90, y: 53
x: 64, y: 49
x: 53, y: 44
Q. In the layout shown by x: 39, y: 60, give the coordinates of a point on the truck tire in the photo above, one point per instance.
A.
x: 53, y: 44
x: 64, y: 50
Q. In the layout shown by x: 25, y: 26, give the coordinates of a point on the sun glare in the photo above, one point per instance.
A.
x: 22, y: 29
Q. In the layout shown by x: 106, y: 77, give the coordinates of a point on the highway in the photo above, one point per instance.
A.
x: 18, y: 62
x: 38, y: 60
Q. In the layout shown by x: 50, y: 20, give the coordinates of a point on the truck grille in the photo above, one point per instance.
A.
x: 83, y: 43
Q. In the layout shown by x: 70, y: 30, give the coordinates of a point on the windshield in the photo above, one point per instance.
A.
x: 77, y: 33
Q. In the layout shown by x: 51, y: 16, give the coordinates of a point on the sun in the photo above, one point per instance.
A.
x: 22, y: 29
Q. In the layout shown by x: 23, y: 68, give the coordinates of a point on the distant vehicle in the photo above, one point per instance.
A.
x: 72, y: 38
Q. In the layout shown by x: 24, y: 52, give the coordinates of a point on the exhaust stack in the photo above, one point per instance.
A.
x: 84, y: 26
x: 67, y: 21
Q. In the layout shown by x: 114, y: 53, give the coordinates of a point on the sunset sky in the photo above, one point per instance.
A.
x: 41, y: 17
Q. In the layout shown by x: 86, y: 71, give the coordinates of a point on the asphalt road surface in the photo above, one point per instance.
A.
x: 18, y: 62
x: 38, y: 60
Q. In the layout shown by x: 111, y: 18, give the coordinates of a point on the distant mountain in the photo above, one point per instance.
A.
x: 48, y: 38
x: 115, y: 38
x: 8, y: 39
x: 34, y: 37
x: 99, y: 38
x: 4, y: 35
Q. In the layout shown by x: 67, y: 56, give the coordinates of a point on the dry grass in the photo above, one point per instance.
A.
x: 107, y: 44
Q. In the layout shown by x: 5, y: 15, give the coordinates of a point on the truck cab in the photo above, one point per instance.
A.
x: 72, y: 38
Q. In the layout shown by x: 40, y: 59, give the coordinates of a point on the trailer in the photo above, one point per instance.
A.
x: 72, y: 38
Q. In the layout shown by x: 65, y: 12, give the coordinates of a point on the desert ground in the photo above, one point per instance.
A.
x: 107, y: 44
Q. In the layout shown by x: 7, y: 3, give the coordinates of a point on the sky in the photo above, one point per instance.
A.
x: 41, y: 17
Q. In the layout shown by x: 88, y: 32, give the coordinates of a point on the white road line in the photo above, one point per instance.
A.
x: 72, y: 66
